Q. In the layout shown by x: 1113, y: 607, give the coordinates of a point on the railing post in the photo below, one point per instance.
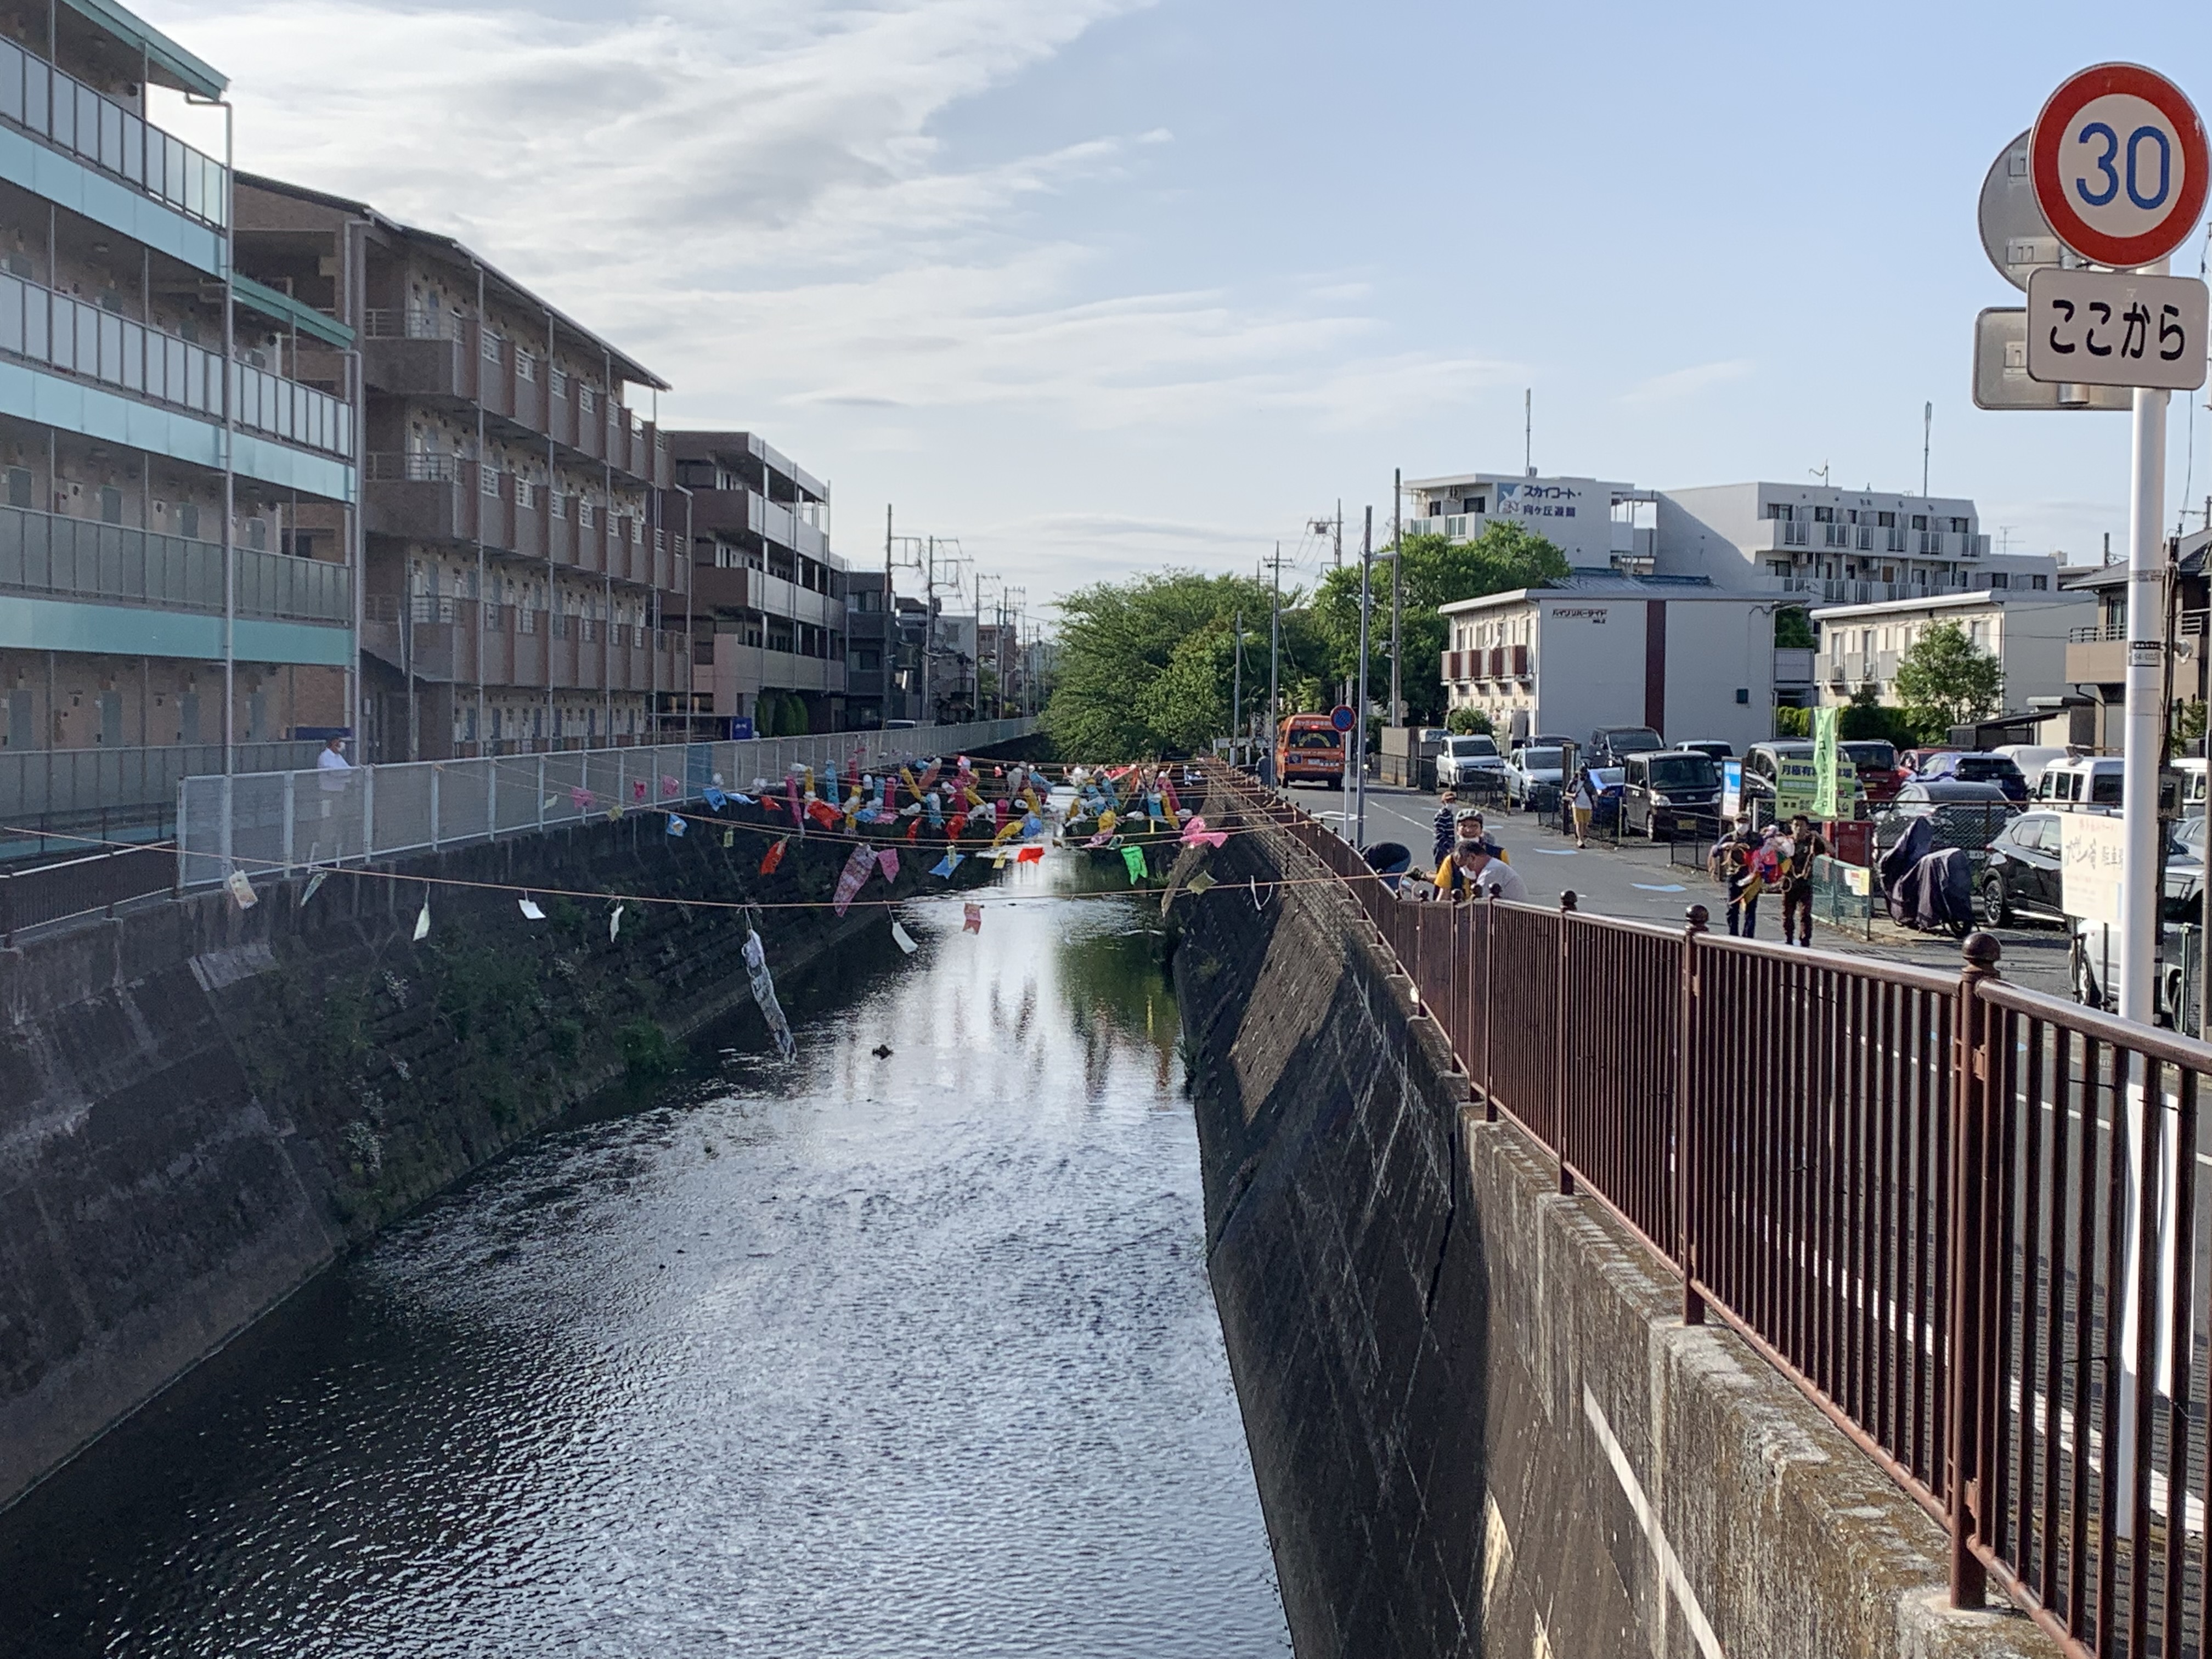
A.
x: 1560, y: 1024
x: 490, y: 765
x: 541, y: 791
x: 290, y: 779
x: 7, y: 908
x: 1486, y: 1001
x: 1972, y: 1263
x: 1686, y: 1154
x: 434, y: 770
x: 368, y: 813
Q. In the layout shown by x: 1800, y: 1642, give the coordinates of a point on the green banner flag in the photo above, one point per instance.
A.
x: 1134, y: 858
x: 1825, y: 789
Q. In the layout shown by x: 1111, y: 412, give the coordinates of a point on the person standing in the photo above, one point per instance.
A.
x: 1583, y: 803
x: 1443, y: 828
x: 1795, y: 870
x: 1746, y: 879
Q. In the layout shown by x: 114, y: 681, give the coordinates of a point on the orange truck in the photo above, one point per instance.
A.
x: 1309, y: 749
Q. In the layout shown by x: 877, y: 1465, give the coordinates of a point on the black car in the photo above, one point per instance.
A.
x: 1661, y: 794
x: 1611, y: 744
x: 2022, y: 876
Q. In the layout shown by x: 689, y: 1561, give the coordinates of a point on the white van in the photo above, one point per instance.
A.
x: 2031, y: 758
x: 2191, y: 771
x: 2091, y: 784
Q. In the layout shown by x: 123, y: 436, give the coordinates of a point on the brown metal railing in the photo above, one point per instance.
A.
x: 1963, y: 1217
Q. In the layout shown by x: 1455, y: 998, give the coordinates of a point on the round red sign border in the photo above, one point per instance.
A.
x: 2122, y: 253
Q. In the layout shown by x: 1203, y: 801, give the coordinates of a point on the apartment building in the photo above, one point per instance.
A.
x: 1688, y: 659
x: 768, y: 622
x: 1596, y: 524
x: 176, y: 581
x: 2025, y: 630
x: 2093, y: 702
x: 523, y: 577
x: 884, y: 641
x: 1836, y: 546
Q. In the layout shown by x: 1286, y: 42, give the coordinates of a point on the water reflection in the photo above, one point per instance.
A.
x: 908, y: 1354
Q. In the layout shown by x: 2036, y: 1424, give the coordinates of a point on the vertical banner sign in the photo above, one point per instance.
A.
x: 1824, y: 764
x: 1731, y: 788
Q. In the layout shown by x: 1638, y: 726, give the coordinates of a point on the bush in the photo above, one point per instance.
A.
x: 646, y: 1051
x: 1467, y: 722
x: 1790, y: 722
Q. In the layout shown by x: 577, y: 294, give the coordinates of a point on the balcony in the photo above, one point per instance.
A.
x: 57, y: 332
x: 460, y: 642
x: 1793, y: 665
x: 433, y: 354
x: 41, y: 99
x: 61, y: 557
x: 447, y: 498
x: 1849, y: 669
x: 2097, y: 655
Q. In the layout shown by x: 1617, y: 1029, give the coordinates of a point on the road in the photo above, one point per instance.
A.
x: 1636, y: 881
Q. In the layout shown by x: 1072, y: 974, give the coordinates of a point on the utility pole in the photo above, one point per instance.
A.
x: 1274, y: 658
x: 1359, y: 702
x: 1237, y: 683
x: 1927, y: 436
x: 1527, y: 432
x: 1397, y: 597
x: 928, y: 631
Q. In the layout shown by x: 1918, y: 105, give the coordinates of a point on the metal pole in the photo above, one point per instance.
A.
x: 1397, y: 599
x: 1236, y: 687
x: 1359, y: 701
x: 2139, y: 896
x: 928, y: 629
x: 229, y: 450
x: 1274, y: 661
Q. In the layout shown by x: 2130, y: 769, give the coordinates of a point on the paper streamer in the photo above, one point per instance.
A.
x: 314, y: 885
x: 715, y: 799
x: 676, y: 824
x: 669, y: 787
x: 971, y: 920
x: 1195, y: 834
x: 1134, y: 858
x: 1199, y: 883
x: 422, y: 922
x: 581, y: 799
x: 887, y: 861
x: 947, y: 865
x: 1030, y: 855
x: 614, y: 925
x: 903, y: 939
x: 241, y: 890
x: 530, y: 910
x: 637, y: 790
x: 773, y: 856
x: 763, y: 986
x: 858, y: 869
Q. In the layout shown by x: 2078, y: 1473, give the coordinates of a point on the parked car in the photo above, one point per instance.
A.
x: 1532, y: 778
x: 1710, y: 748
x: 2090, y: 783
x: 1762, y: 765
x: 2031, y: 758
x: 1668, y: 791
x: 1606, y: 785
x: 1912, y: 762
x: 1470, y: 761
x: 1609, y: 746
x: 1875, y: 759
x: 2184, y: 871
x: 2023, y: 875
x: 1969, y: 767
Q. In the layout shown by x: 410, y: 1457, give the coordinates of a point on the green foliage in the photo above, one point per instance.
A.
x: 1793, y: 629
x: 1866, y: 716
x: 564, y: 1038
x: 1467, y: 722
x: 1791, y: 722
x: 1945, y: 681
x: 1147, y: 665
x: 1437, y: 572
x: 645, y: 1050
x: 2188, y: 722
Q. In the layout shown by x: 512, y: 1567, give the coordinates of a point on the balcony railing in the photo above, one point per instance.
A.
x: 99, y: 131
x: 115, y: 564
x: 62, y: 333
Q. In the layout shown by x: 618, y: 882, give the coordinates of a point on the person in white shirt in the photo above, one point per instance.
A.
x: 332, y: 759
x: 1492, y: 873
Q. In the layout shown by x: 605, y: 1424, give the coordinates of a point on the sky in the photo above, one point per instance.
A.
x: 1096, y: 286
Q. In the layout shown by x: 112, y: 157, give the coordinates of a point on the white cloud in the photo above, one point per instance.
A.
x: 1681, y: 384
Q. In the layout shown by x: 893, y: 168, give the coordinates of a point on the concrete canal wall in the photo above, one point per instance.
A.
x: 200, y: 1107
x: 1478, y: 1422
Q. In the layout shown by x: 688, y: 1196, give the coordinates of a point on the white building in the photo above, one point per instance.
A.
x: 1837, y: 545
x: 2025, y: 630
x: 1591, y: 521
x: 1687, y: 658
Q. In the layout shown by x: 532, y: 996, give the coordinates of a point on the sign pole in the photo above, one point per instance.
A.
x: 2144, y: 748
x: 1359, y: 703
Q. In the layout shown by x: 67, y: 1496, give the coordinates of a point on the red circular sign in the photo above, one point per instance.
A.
x: 2119, y: 164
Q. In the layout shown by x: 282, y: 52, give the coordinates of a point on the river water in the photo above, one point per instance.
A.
x: 900, y: 1355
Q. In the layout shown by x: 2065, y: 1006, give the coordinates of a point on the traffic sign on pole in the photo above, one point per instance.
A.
x: 2015, y: 235
x: 2117, y: 328
x: 2001, y: 379
x: 2119, y: 160
x: 1340, y: 717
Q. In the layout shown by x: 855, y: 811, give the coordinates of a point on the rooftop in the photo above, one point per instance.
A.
x: 1612, y: 585
x: 1972, y: 599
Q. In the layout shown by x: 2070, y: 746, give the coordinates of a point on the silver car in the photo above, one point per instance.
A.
x: 1532, y: 778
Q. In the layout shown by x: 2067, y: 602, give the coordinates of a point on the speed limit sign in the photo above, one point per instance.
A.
x: 2118, y: 162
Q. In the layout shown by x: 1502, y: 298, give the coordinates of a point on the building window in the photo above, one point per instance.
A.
x: 491, y: 348
x: 586, y: 400
x: 2038, y: 582
x: 111, y: 505
x: 1961, y: 526
x: 487, y: 481
x: 526, y: 367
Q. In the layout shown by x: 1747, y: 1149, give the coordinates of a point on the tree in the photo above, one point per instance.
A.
x: 1437, y: 572
x: 1867, y: 716
x: 1467, y: 721
x: 1146, y: 666
x: 1793, y: 629
x: 1945, y: 680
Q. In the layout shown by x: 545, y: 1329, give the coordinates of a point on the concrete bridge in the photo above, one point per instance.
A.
x: 1594, y: 1287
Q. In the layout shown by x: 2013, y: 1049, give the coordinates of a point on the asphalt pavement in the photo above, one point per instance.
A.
x: 1638, y: 881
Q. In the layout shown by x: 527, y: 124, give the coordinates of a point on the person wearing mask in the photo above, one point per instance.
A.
x: 1490, y: 872
x: 1794, y: 873
x: 1583, y: 803
x: 1746, y: 878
